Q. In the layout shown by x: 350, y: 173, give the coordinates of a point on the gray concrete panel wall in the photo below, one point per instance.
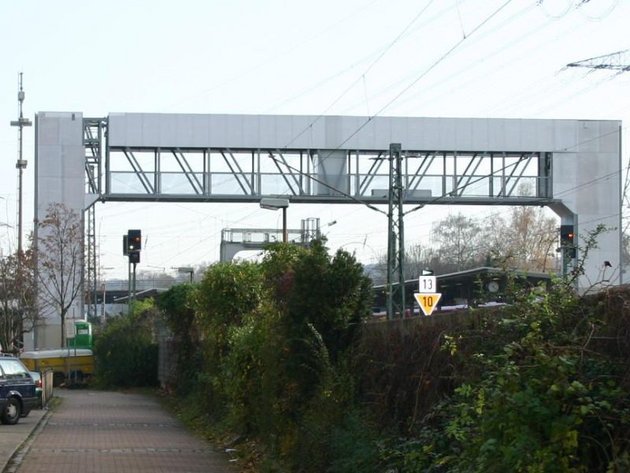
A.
x: 60, y: 161
x: 59, y: 178
x: 587, y: 178
x: 331, y: 132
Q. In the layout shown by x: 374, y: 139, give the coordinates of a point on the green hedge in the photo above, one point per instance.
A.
x: 126, y: 351
x: 282, y: 355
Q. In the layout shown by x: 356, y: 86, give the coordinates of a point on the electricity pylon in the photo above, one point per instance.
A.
x: 618, y: 61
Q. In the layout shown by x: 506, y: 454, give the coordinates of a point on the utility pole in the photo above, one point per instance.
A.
x: 395, y: 236
x: 21, y: 122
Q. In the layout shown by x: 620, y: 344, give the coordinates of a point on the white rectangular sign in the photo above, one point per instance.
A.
x: 428, y: 284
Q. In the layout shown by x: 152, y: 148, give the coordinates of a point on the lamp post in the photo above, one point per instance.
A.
x: 274, y: 203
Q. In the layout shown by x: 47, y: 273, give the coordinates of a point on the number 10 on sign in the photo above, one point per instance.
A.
x: 428, y: 302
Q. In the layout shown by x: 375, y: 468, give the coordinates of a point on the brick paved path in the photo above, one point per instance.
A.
x: 106, y: 432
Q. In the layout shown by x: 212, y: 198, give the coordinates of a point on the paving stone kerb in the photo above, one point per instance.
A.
x: 107, y: 432
x: 13, y: 436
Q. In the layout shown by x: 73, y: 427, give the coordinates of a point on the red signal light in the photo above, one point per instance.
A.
x: 567, y: 234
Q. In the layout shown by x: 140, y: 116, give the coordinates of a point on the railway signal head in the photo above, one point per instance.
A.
x: 134, y: 257
x: 566, y: 235
x: 134, y: 240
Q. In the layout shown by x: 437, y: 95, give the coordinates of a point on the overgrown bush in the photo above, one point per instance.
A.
x: 126, y: 352
x: 538, y: 398
x: 221, y: 302
x: 176, y: 308
x: 272, y: 338
x: 286, y: 359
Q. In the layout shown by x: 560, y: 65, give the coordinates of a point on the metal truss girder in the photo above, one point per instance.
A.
x: 288, y: 172
x: 238, y: 173
x: 523, y: 159
x: 93, y: 143
x: 427, y: 160
x: 428, y: 177
x: 476, y: 159
x: 91, y: 266
x: 372, y: 172
x: 94, y: 147
x: 188, y: 172
x: 140, y: 173
x: 91, y: 179
x: 225, y: 198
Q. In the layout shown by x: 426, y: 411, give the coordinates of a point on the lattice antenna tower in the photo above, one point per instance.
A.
x: 21, y: 122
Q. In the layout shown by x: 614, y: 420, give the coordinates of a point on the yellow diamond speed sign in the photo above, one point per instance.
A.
x: 428, y: 302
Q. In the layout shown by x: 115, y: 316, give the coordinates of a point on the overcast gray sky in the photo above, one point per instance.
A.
x: 355, y: 57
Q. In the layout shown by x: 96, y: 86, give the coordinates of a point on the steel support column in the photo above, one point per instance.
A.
x: 395, y: 236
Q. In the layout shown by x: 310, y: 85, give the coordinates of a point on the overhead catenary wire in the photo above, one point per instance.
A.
x: 378, y: 52
x: 393, y: 42
x: 424, y: 73
x: 440, y: 59
x: 428, y: 90
x: 362, y: 76
x: 440, y: 197
x: 277, y: 54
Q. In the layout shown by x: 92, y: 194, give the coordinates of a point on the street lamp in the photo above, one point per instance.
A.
x: 273, y: 203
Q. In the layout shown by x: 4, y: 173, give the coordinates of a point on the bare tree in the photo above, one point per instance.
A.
x: 60, y: 261
x: 420, y: 257
x: 17, y: 300
x: 459, y: 241
x: 417, y: 258
x: 526, y: 239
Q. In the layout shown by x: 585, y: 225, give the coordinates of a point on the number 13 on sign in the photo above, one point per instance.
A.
x: 427, y: 284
